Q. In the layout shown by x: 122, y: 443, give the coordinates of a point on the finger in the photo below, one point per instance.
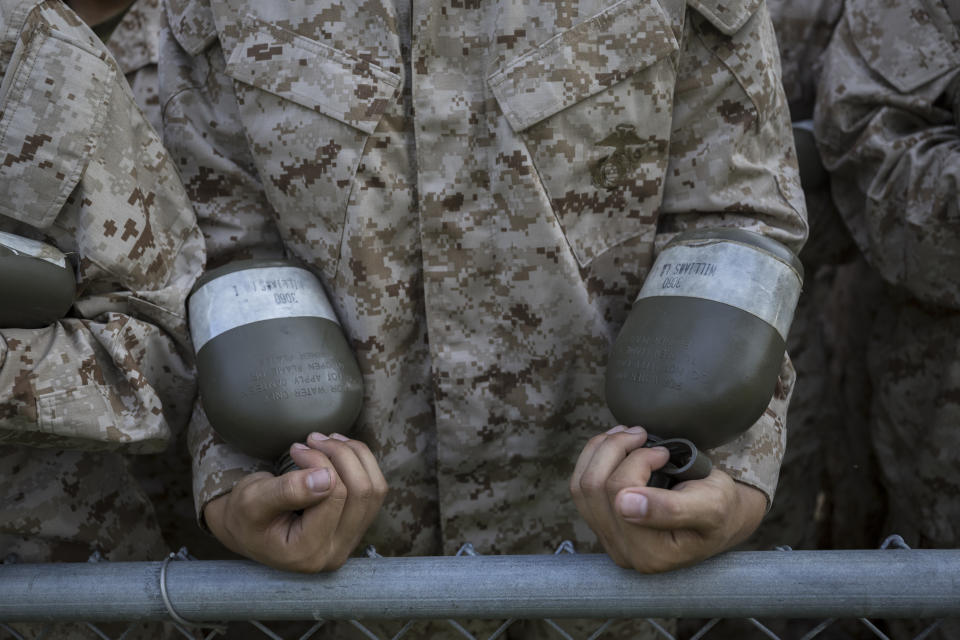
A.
x: 362, y: 500
x: 267, y: 497
x: 587, y: 454
x: 699, y: 505
x: 636, y: 469
x: 368, y: 460
x: 308, y: 458
x: 590, y: 494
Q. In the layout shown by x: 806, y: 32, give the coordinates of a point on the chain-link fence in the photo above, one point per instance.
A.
x: 776, y: 594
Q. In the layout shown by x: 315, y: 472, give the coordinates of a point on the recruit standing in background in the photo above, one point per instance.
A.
x: 481, y: 189
x: 829, y: 495
x: 887, y: 123
x: 85, y: 172
x: 887, y: 127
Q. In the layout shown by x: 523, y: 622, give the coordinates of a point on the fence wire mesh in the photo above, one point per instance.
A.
x: 170, y: 624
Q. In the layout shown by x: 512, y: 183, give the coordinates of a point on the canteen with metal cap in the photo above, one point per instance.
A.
x: 699, y: 355
x: 37, y: 283
x: 272, y: 360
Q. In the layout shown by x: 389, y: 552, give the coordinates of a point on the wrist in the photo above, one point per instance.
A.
x: 751, y: 506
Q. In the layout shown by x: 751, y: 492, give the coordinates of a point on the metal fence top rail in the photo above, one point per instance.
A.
x: 796, y: 584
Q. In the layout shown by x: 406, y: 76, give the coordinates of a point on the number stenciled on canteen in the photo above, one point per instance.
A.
x: 672, y: 275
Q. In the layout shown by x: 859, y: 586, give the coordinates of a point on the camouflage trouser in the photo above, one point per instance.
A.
x: 62, y: 506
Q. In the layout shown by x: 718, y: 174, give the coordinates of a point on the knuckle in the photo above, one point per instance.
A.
x: 362, y: 491
x: 613, y: 485
x: 714, y: 515
x: 357, y: 446
x: 244, y: 498
x: 592, y: 482
x: 289, y: 488
x: 597, y: 440
x: 671, y: 510
x: 339, y: 492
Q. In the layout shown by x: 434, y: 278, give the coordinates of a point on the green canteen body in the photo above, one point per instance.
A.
x: 37, y: 283
x: 700, y: 352
x: 272, y: 360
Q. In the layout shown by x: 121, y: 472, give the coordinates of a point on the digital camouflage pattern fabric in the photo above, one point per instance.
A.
x: 888, y: 135
x: 85, y: 172
x: 135, y: 45
x: 828, y: 495
x: 886, y: 120
x: 437, y: 168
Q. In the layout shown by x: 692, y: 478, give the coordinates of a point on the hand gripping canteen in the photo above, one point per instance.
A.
x: 272, y: 360
x: 697, y: 360
x: 37, y: 283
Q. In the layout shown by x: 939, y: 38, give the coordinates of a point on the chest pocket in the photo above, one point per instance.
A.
x: 308, y: 110
x: 593, y: 105
x: 53, y: 101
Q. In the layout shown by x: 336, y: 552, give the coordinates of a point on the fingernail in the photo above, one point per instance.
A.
x: 636, y: 430
x: 300, y: 445
x: 337, y: 436
x: 317, y: 436
x: 616, y: 429
x: 319, y: 481
x: 633, y: 505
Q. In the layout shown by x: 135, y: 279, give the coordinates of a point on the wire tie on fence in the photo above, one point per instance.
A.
x: 895, y: 541
x: 176, y: 617
x: 565, y: 547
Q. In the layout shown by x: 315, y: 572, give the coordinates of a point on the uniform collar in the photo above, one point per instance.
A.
x: 911, y: 42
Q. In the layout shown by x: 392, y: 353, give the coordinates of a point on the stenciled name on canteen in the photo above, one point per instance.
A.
x: 672, y: 274
x: 284, y: 290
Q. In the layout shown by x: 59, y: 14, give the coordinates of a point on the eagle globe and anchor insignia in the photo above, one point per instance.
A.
x: 616, y: 169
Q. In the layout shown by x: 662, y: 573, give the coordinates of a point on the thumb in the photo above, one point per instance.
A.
x: 271, y: 497
x: 697, y: 506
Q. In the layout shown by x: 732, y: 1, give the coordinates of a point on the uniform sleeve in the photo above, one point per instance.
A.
x: 86, y: 173
x: 892, y: 145
x: 202, y: 131
x: 733, y: 164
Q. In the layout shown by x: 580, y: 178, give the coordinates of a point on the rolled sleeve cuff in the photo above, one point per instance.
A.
x: 754, y: 458
x: 217, y: 466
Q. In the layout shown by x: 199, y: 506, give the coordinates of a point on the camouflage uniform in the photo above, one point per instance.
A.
x: 888, y: 133
x: 135, y: 45
x: 828, y: 496
x: 84, y: 171
x: 482, y: 189
x: 887, y: 124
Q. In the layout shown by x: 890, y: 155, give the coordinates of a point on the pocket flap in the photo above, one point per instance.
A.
x: 582, y: 61
x: 910, y: 57
x: 728, y: 16
x: 332, y: 82
x: 53, y: 107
